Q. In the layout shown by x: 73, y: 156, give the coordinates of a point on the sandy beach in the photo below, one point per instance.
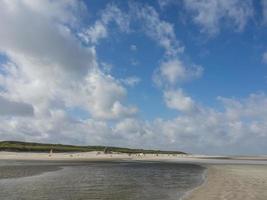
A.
x: 94, y: 155
x: 233, y: 182
x: 86, y: 156
x: 241, y: 178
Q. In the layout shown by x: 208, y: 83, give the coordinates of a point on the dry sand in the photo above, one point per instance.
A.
x: 84, y: 156
x: 195, y: 159
x: 59, y: 156
x: 233, y: 182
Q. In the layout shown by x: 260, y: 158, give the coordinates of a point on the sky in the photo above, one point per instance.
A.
x: 187, y: 75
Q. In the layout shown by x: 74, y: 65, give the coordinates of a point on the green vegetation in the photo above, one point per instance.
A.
x: 40, y: 147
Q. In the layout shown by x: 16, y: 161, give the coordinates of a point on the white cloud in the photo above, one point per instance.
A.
x: 58, y: 127
x: 131, y: 81
x: 159, y: 30
x: 207, y: 131
x: 136, y: 130
x: 252, y: 107
x: 47, y: 63
x: 210, y: 15
x: 102, y: 97
x: 111, y: 14
x: 162, y: 32
x: 30, y: 33
x: 62, y: 11
x: 176, y: 99
x: 93, y: 34
x: 175, y: 71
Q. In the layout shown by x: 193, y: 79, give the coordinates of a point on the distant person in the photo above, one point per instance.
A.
x: 51, y: 153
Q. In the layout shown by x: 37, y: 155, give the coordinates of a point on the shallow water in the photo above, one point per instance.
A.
x: 96, y: 180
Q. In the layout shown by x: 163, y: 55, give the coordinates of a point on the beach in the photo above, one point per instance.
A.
x: 96, y: 155
x: 225, y: 178
x: 232, y: 182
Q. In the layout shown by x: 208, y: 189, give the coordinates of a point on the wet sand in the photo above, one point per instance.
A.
x: 232, y: 182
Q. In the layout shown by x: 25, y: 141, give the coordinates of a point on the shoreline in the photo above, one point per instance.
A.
x: 204, y: 177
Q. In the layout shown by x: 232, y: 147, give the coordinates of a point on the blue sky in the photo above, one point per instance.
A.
x: 186, y: 75
x: 232, y: 60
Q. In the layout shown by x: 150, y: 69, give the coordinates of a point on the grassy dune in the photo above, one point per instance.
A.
x: 40, y: 147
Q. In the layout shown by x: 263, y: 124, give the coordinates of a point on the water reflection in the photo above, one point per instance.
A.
x: 100, y: 180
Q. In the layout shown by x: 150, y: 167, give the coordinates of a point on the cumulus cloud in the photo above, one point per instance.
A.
x: 207, y: 131
x: 31, y: 33
x: 102, y: 97
x: 46, y: 63
x: 136, y: 131
x: 210, y: 15
x: 241, y: 124
x: 93, y: 34
x: 176, y: 99
x: 171, y: 71
x: 169, y: 76
x: 58, y: 127
x: 174, y: 71
x: 246, y: 108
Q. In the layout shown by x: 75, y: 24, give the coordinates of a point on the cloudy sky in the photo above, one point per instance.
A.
x: 186, y: 75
